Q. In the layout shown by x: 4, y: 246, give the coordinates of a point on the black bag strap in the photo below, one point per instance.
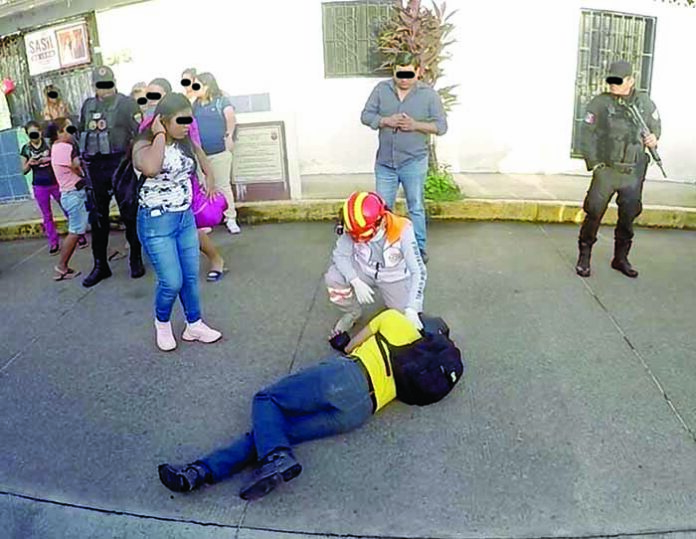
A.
x: 383, y: 345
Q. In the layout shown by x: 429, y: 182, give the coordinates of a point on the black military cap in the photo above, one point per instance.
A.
x: 619, y: 70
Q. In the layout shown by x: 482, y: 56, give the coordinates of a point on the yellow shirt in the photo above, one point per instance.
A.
x: 398, y: 331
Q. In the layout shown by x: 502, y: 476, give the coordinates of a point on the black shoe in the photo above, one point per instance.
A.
x: 137, y: 269
x: 184, y: 478
x: 54, y: 250
x: 582, y: 267
x: 424, y: 256
x: 624, y: 266
x: 620, y: 261
x: 99, y: 273
x: 277, y: 467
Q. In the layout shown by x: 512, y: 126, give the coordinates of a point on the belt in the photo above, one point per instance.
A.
x: 366, y: 373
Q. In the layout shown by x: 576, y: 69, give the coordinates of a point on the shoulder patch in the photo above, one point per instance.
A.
x: 656, y: 115
x: 590, y: 118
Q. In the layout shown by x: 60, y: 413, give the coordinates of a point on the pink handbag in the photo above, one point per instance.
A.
x: 207, y: 212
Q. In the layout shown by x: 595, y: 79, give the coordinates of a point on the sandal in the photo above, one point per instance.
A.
x: 116, y: 255
x: 65, y: 275
x: 215, y: 275
x: 82, y: 242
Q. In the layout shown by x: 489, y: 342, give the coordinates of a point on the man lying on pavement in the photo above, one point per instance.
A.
x: 389, y: 359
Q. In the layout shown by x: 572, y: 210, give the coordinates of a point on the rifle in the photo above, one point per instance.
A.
x: 644, y: 130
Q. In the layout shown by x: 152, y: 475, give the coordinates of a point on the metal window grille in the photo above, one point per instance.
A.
x: 350, y: 37
x: 606, y: 37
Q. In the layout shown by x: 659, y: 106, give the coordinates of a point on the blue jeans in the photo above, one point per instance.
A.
x: 320, y: 401
x: 412, y: 177
x: 170, y: 240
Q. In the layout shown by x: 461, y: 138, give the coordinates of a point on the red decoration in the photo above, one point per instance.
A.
x: 7, y: 86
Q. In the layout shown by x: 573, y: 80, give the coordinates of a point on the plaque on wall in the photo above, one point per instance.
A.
x: 259, y: 166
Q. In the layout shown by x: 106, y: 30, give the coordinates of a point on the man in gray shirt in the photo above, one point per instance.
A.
x: 406, y: 112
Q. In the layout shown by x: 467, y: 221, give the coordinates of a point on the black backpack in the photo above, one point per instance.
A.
x: 424, y: 371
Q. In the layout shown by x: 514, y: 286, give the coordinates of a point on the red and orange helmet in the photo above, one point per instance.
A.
x: 362, y: 214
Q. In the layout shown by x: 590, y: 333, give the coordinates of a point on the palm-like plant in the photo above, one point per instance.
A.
x: 425, y: 33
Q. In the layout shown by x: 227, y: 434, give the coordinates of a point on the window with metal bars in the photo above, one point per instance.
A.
x: 350, y: 37
x: 606, y: 37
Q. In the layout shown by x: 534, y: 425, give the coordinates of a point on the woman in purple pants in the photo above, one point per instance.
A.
x: 36, y: 156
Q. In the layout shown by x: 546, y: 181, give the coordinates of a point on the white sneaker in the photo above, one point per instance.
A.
x: 165, y: 337
x: 198, y: 331
x: 232, y: 226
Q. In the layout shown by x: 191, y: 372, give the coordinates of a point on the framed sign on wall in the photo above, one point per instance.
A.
x: 57, y: 47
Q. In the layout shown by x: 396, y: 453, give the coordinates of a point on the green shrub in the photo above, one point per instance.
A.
x: 440, y: 185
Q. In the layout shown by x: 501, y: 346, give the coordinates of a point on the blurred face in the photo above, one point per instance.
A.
x: 621, y: 87
x: 139, y: 96
x: 153, y: 95
x: 34, y: 133
x: 178, y: 125
x: 68, y: 131
x: 405, y: 76
x: 190, y: 84
x: 52, y: 95
x: 105, y: 88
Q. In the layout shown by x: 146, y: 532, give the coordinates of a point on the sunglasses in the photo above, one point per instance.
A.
x: 105, y: 85
x: 142, y: 101
x: 405, y: 75
x: 184, y: 120
x: 71, y: 129
x: 615, y: 80
x: 34, y: 135
x: 52, y: 94
x: 153, y: 96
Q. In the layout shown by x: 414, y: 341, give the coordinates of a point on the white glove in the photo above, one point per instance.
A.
x: 363, y: 291
x: 413, y: 317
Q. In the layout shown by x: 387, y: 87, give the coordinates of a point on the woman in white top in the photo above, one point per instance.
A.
x: 166, y: 156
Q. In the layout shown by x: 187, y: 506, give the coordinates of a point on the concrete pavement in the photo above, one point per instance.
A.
x: 576, y: 418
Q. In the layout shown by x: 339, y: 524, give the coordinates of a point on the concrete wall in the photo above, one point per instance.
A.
x: 515, y: 62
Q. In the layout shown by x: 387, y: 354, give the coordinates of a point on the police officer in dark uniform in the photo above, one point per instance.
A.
x: 615, y: 151
x: 108, y: 123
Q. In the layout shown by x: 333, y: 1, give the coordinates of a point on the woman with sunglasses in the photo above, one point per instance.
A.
x: 55, y: 106
x: 166, y: 156
x: 155, y: 91
x: 215, y: 116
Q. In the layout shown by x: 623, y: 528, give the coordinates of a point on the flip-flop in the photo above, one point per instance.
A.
x: 215, y: 275
x: 65, y: 275
x: 116, y: 255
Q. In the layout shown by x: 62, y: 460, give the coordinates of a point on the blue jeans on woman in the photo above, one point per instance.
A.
x: 170, y: 240
x: 326, y: 399
x: 412, y: 177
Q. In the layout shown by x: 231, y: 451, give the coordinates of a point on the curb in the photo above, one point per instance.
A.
x: 470, y: 209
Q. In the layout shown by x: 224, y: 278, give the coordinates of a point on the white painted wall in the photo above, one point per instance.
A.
x: 515, y: 62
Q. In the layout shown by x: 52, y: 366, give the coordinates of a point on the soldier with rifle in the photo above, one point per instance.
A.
x: 619, y: 126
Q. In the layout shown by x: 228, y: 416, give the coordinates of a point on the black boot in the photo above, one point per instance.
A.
x: 137, y: 269
x: 100, y: 272
x: 582, y: 268
x: 620, y: 261
x: 277, y: 467
x: 184, y: 478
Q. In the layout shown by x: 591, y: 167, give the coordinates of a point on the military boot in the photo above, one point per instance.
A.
x: 620, y: 261
x: 100, y: 272
x: 582, y: 268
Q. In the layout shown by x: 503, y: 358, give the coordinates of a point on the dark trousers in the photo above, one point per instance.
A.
x: 628, y: 184
x: 100, y: 170
x: 326, y: 399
